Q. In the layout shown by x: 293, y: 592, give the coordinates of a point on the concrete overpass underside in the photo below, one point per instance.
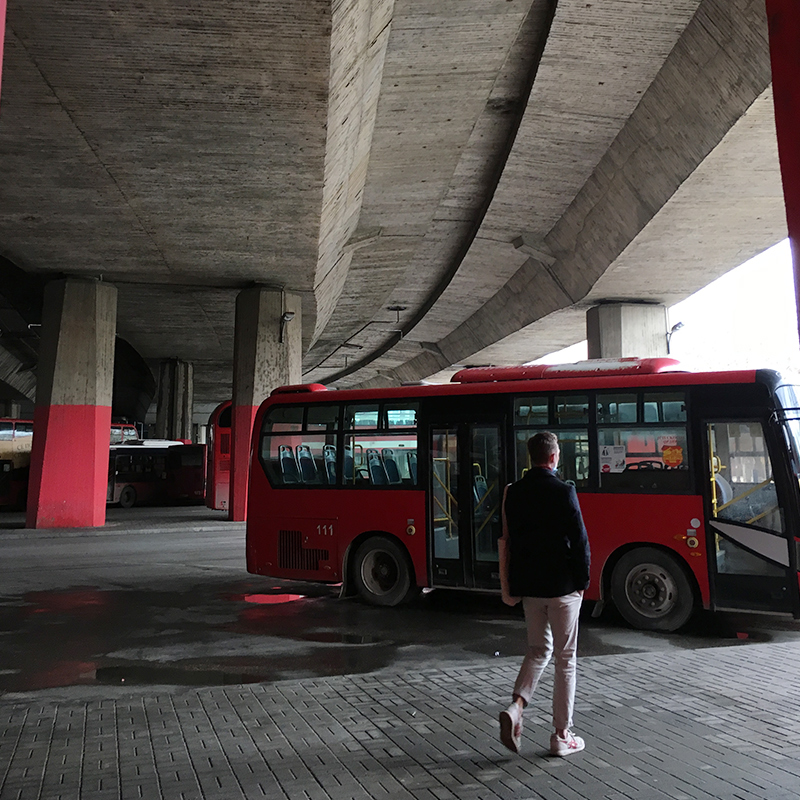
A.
x: 442, y: 181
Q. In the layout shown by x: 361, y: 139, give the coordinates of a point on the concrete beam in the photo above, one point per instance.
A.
x: 696, y: 156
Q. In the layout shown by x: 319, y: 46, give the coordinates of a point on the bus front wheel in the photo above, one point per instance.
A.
x: 127, y: 497
x: 383, y: 572
x: 651, y: 590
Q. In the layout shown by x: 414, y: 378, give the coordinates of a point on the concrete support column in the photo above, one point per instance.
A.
x: 623, y: 330
x: 175, y: 400
x: 784, y: 38
x: 72, y: 419
x: 267, y: 354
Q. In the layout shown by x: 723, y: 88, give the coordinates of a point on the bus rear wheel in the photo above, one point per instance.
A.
x: 651, y: 590
x: 383, y: 572
x: 127, y: 497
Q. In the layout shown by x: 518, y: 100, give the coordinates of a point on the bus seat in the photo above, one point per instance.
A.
x: 349, y: 466
x: 289, y: 469
x: 392, y: 470
x: 412, y: 467
x: 724, y: 490
x: 329, y: 455
x: 308, y: 469
x: 377, y: 472
x: 479, y: 489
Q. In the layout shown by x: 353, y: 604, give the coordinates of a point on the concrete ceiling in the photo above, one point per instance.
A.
x: 487, y: 169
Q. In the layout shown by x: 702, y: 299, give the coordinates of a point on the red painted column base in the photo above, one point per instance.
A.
x: 242, y: 419
x: 69, y: 467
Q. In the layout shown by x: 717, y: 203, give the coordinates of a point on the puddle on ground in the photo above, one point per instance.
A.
x: 172, y: 676
x: 337, y: 637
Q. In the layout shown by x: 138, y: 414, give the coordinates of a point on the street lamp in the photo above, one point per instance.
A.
x: 676, y: 327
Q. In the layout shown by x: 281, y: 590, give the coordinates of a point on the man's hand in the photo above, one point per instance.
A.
x: 509, y: 600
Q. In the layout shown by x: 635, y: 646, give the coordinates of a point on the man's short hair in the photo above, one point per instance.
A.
x: 541, y: 446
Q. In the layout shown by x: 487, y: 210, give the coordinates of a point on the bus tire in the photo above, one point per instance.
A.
x: 383, y: 572
x: 651, y: 590
x: 127, y: 497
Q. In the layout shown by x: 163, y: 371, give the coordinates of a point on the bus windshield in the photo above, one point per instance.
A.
x: 788, y: 396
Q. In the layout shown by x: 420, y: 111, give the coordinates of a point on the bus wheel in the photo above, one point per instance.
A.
x: 650, y: 589
x: 383, y: 573
x: 127, y: 497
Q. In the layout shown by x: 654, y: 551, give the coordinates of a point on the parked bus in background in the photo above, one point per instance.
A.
x: 16, y: 436
x: 688, y: 483
x: 123, y: 432
x: 218, y: 466
x: 156, y: 472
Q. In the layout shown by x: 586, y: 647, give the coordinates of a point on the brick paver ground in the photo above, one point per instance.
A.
x: 713, y: 723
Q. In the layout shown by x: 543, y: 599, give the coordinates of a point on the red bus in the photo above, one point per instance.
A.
x: 218, y: 465
x: 155, y: 472
x: 688, y: 483
x: 123, y: 433
x: 16, y: 436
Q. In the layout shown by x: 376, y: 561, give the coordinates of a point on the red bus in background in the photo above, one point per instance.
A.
x: 156, y: 472
x: 218, y: 467
x: 16, y: 436
x: 688, y: 483
x: 123, y: 433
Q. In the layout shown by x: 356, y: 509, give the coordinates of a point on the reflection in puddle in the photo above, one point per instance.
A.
x: 173, y: 676
x: 271, y: 599
x: 337, y: 637
x: 263, y: 599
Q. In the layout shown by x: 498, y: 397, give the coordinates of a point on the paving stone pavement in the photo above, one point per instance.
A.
x: 711, y: 723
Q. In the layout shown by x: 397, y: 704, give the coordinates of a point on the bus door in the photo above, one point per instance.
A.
x: 749, y: 545
x: 466, y: 488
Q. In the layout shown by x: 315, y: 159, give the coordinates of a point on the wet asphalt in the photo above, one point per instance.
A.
x: 161, y: 597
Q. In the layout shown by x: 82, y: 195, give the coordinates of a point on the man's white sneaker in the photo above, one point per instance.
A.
x: 511, y: 728
x: 567, y: 746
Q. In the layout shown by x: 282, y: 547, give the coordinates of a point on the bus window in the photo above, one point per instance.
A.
x: 381, y: 459
x: 664, y: 407
x: 616, y: 408
x: 23, y: 430
x: 400, y: 415
x: 284, y: 419
x: 744, y: 487
x: 573, y: 465
x: 742, y: 491
x: 486, y: 491
x: 444, y: 463
x: 322, y: 418
x: 129, y: 434
x: 572, y: 410
x: 362, y: 417
x: 531, y: 411
x: 6, y: 431
x: 643, y: 458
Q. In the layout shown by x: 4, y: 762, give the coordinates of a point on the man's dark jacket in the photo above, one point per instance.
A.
x: 548, y: 546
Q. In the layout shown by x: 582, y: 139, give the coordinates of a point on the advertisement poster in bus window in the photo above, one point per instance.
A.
x: 671, y: 451
x: 612, y: 458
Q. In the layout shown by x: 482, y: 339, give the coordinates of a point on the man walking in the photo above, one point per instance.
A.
x: 544, y: 561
